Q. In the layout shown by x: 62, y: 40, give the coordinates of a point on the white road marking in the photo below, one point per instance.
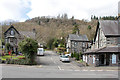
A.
x: 110, y: 70
x: 99, y: 70
x: 92, y: 70
x: 59, y: 68
x: 84, y: 70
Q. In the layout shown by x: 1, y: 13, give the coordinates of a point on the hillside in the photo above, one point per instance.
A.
x: 48, y: 28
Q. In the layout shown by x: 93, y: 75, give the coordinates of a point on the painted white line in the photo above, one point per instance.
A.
x: 59, y: 68
x: 84, y: 70
x: 99, y: 70
x: 92, y: 70
x: 110, y: 70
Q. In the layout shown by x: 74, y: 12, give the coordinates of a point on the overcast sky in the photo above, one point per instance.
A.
x: 81, y: 9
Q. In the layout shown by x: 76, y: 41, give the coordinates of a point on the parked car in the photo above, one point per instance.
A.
x: 64, y: 58
x: 68, y: 54
x: 40, y: 51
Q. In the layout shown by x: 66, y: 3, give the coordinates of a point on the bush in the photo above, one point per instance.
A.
x: 29, y: 48
x: 72, y: 55
x: 89, y: 27
x: 20, y: 62
x: 8, y: 46
x: 77, y: 57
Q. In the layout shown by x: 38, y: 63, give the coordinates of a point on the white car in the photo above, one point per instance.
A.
x: 64, y: 58
x: 68, y: 54
x: 40, y: 51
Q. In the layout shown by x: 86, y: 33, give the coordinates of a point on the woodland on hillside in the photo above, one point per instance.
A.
x: 48, y: 28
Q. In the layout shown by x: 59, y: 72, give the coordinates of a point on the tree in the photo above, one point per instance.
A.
x: 75, y: 29
x: 56, y: 42
x: 89, y: 27
x: 77, y: 56
x: 29, y: 48
x: 50, y: 43
x: 7, y: 47
x: 72, y: 55
x: 72, y: 18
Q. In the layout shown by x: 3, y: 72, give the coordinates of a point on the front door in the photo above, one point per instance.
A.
x: 101, y: 59
x: 107, y: 59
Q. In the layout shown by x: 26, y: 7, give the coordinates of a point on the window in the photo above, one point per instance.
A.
x: 11, y: 39
x: 113, y: 59
x: 83, y: 44
x: 12, y: 32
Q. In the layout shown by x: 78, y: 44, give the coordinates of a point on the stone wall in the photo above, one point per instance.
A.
x: 77, y: 46
x: 112, y: 41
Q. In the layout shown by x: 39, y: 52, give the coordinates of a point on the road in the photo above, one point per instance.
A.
x: 51, y: 67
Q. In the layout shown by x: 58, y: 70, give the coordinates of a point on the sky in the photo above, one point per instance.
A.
x: 20, y: 10
x: 119, y: 8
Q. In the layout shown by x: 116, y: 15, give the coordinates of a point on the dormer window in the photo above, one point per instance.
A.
x: 12, y: 32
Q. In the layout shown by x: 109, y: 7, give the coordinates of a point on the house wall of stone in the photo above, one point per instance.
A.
x: 68, y: 45
x: 112, y: 41
x: 90, y: 59
x: 100, y: 39
x: 77, y: 46
x: 13, y: 39
x: 8, y: 34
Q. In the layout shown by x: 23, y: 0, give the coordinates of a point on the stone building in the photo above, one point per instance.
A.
x: 105, y: 50
x: 13, y: 37
x: 76, y: 43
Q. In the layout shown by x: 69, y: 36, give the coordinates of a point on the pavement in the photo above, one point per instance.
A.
x: 49, y: 66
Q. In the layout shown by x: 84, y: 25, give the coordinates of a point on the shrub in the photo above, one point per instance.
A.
x: 29, y: 48
x: 20, y: 62
x: 72, y: 55
x: 8, y: 46
x: 77, y: 57
x: 89, y: 27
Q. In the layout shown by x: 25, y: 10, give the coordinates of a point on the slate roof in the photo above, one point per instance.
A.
x: 10, y: 28
x: 110, y: 27
x: 27, y: 34
x: 22, y: 33
x: 75, y: 37
x: 114, y: 49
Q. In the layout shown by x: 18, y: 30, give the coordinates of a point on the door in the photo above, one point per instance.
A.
x: 107, y: 59
x: 101, y: 59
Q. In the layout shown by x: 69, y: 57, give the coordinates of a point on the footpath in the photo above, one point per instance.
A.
x: 101, y: 68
